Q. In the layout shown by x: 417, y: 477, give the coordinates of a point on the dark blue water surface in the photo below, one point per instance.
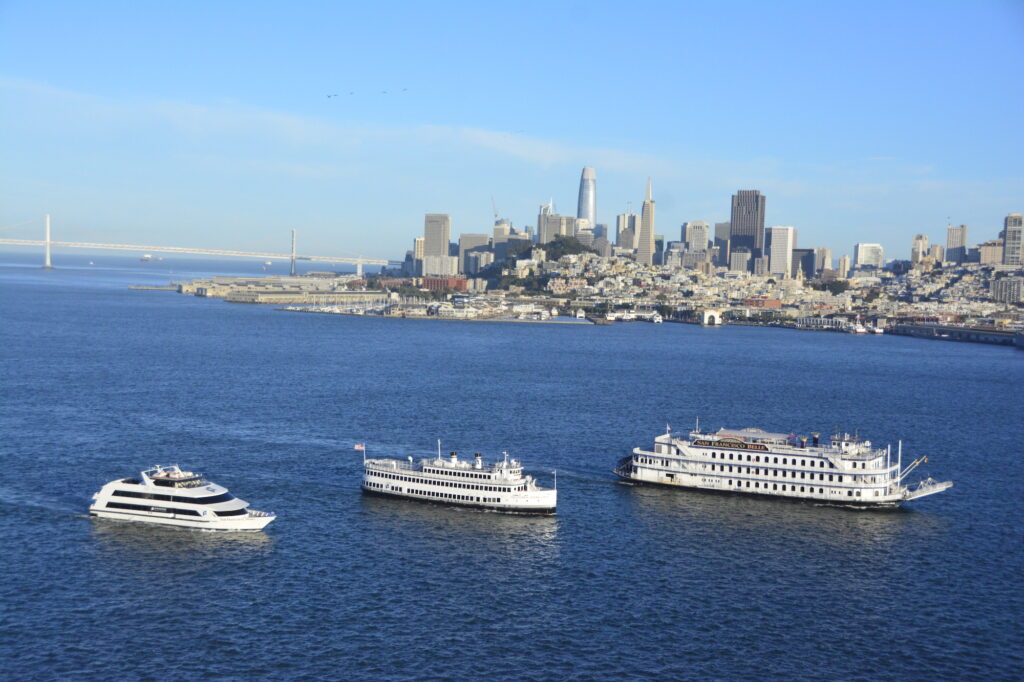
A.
x: 626, y: 582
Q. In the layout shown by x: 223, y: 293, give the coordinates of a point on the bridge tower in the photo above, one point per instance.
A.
x: 293, y: 253
x: 46, y: 258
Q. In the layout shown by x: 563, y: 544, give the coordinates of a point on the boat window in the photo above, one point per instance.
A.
x: 775, y: 461
x: 233, y: 512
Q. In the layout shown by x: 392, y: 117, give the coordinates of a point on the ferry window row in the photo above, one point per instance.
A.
x: 454, y: 496
x: 460, y: 474
x: 447, y: 484
x: 212, y: 499
x: 778, y: 473
x: 775, y: 460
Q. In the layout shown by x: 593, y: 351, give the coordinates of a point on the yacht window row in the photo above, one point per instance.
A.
x: 212, y: 499
x: 171, y: 510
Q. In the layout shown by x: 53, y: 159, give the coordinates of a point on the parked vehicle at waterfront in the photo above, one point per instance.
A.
x: 170, y: 496
x: 843, y: 470
x: 500, y: 486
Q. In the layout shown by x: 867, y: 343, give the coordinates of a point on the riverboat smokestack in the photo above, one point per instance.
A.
x: 815, y: 442
x: 479, y: 463
x: 454, y: 456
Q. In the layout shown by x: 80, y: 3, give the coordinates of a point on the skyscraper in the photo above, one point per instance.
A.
x: 956, y: 243
x: 722, y: 242
x: 586, y: 207
x: 627, y: 225
x: 822, y: 259
x: 918, y: 248
x: 779, y: 244
x: 844, y: 266
x: 695, y: 234
x: 1013, y: 240
x: 867, y: 255
x: 437, y: 233
x: 746, y: 224
x: 645, y: 240
x: 470, y: 244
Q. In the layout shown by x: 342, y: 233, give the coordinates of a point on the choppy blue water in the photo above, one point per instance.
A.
x: 99, y: 382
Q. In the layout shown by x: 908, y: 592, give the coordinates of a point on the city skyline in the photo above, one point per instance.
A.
x: 227, y: 145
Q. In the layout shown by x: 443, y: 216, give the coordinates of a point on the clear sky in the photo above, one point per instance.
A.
x: 208, y: 123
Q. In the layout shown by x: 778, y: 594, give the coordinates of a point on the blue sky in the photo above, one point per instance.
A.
x: 208, y: 124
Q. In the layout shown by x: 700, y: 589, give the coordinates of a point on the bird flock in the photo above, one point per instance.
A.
x: 352, y: 92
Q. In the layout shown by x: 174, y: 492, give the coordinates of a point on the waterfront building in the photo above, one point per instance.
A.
x: 695, y: 234
x: 779, y: 243
x: 822, y: 260
x: 437, y: 232
x: 418, y: 246
x: 722, y: 243
x: 586, y: 207
x: 866, y: 255
x: 918, y: 248
x: 1013, y: 240
x: 844, y: 266
x: 956, y: 243
x: 746, y: 222
x: 645, y: 248
x: 473, y: 243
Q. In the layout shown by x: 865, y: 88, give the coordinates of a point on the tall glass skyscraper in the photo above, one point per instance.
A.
x: 746, y: 224
x: 587, y: 205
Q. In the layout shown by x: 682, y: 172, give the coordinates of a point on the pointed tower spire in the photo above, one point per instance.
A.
x: 648, y: 188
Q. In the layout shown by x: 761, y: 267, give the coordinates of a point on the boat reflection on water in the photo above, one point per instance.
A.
x: 147, y: 542
x: 737, y: 518
x: 485, y: 531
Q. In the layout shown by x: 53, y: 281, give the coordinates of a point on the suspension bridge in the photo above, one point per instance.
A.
x: 48, y: 243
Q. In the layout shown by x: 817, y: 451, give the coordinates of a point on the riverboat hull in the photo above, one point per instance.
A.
x: 508, y: 509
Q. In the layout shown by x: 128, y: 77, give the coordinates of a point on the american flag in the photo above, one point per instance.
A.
x: 360, y: 446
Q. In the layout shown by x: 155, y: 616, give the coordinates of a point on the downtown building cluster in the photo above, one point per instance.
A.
x: 739, y: 254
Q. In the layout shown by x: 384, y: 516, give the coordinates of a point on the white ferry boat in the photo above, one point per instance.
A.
x: 500, y: 486
x: 843, y: 470
x: 170, y: 496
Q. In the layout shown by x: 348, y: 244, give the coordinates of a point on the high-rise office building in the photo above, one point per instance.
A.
x: 1013, y: 240
x: 586, y: 207
x: 956, y: 243
x: 470, y: 244
x: 802, y: 264
x: 779, y: 243
x: 867, y: 255
x: 918, y: 248
x: 822, y: 260
x: 843, y: 270
x: 938, y: 252
x: 695, y: 234
x: 601, y: 231
x: 739, y: 259
x: 746, y: 223
x: 437, y: 233
x: 627, y: 226
x: 645, y: 247
x: 722, y: 243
